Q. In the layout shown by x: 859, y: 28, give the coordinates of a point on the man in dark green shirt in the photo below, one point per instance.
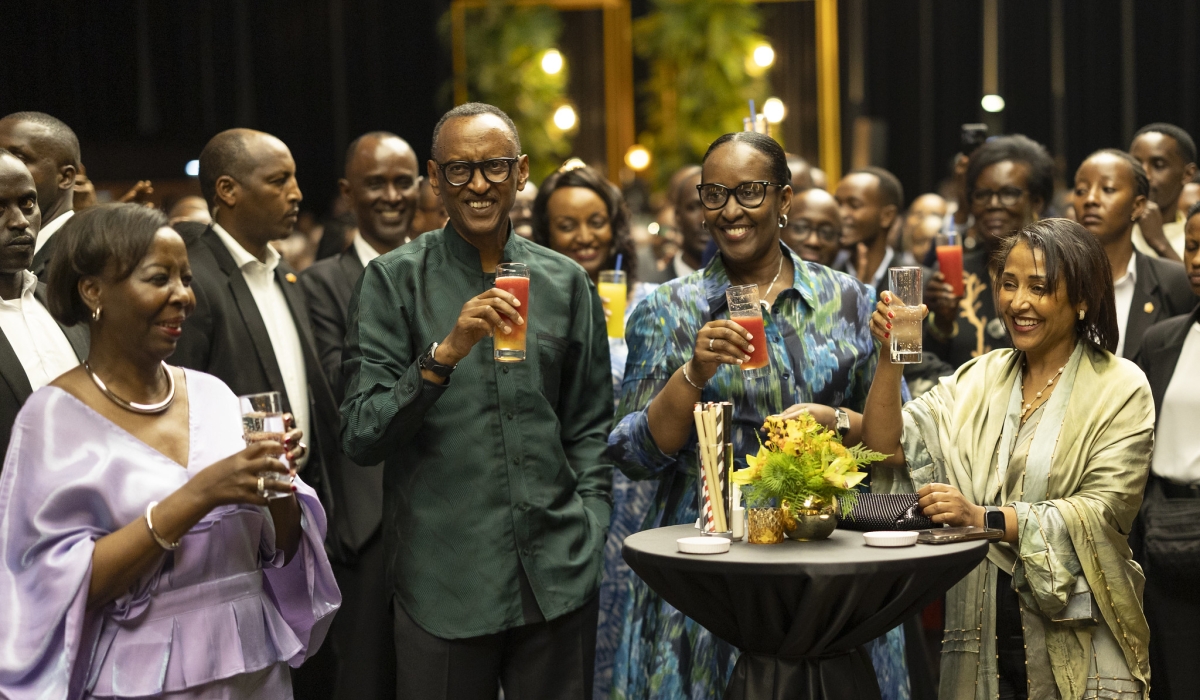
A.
x: 496, y: 494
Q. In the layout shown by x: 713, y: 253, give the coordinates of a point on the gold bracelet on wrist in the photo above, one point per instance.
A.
x: 169, y: 546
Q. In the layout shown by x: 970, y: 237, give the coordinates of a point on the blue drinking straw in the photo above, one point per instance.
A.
x: 752, y: 113
x: 620, y: 256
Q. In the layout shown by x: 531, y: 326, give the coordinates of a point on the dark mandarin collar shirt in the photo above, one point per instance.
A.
x: 502, y: 467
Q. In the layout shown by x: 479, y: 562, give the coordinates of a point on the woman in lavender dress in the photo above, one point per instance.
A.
x: 138, y: 554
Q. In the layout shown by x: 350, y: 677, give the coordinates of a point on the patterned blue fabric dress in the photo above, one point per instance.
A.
x: 631, y: 502
x: 821, y: 351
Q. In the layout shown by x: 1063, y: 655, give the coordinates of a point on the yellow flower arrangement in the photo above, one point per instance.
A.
x: 803, y: 465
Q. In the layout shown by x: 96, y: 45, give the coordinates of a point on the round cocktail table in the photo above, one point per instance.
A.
x: 799, y: 611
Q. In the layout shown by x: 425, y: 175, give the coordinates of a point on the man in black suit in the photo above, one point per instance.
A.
x: 382, y: 187
x: 250, y: 327
x: 34, y: 348
x: 1170, y: 356
x: 50, y: 150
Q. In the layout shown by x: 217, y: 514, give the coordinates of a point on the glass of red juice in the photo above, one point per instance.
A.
x: 745, y: 311
x: 514, y: 279
x: 949, y: 254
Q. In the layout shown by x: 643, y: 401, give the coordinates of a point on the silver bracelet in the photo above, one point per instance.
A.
x: 169, y: 546
x: 688, y: 379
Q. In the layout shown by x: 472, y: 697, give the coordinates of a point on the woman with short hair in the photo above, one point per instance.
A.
x: 139, y: 553
x: 1050, y: 442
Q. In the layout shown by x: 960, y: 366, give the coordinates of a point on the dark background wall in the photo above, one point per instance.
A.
x: 146, y: 82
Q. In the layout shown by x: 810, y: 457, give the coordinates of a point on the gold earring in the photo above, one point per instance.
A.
x: 96, y: 314
x: 1082, y: 313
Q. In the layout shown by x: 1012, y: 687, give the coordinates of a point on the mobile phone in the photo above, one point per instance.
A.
x: 946, y: 535
x: 973, y: 136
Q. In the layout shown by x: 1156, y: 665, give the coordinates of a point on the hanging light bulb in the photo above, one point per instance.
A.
x: 764, y: 55
x: 637, y: 158
x: 565, y: 118
x: 552, y: 62
x: 774, y: 110
x: 992, y: 103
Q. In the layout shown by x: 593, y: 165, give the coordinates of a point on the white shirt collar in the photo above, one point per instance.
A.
x: 242, y: 257
x: 49, y: 229
x: 1130, y: 276
x: 29, y: 282
x: 364, y: 250
x: 681, y: 268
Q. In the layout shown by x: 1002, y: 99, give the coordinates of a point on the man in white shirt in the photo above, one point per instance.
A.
x: 382, y: 188
x: 34, y: 349
x: 50, y: 150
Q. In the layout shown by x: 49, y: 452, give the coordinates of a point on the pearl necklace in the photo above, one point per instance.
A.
x: 1029, y: 406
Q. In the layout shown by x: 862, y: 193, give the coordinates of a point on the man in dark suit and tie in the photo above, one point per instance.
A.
x: 250, y: 327
x: 382, y: 187
x: 50, y: 150
x: 34, y: 348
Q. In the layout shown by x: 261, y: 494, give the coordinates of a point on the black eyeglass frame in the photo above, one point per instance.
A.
x: 478, y: 165
x: 728, y: 190
x: 809, y: 230
x: 998, y: 194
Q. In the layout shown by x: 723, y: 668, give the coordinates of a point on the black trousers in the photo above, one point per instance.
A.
x: 1173, y: 611
x: 361, y: 634
x: 1010, y: 641
x: 552, y: 660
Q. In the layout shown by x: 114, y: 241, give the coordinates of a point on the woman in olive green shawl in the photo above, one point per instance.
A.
x: 1056, y: 436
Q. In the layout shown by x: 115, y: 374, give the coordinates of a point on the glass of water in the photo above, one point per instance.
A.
x: 906, y: 307
x: 262, y: 419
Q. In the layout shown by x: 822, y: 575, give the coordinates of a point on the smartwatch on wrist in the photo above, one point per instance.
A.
x: 993, y: 518
x: 429, y: 362
x: 843, y: 421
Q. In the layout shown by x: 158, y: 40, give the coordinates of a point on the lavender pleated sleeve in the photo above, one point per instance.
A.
x: 219, y: 610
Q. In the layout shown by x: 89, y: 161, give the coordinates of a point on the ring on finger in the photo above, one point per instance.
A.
x: 262, y: 487
x: 710, y: 344
x: 303, y: 449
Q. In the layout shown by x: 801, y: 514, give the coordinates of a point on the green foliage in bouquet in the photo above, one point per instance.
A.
x: 504, y: 48
x: 699, y: 84
x: 805, y: 465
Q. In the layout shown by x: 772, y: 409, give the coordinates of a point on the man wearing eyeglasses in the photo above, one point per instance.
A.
x: 815, y: 228
x: 497, y: 496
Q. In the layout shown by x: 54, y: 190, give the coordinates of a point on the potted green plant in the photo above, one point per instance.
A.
x: 801, y: 475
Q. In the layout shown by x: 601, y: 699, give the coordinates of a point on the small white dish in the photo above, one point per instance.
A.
x: 703, y: 545
x: 887, y: 538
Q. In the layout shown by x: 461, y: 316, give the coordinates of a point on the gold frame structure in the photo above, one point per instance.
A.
x: 618, y: 74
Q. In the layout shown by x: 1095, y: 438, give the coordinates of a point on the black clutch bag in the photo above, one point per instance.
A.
x: 886, y: 511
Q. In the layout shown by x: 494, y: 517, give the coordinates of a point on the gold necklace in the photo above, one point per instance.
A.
x: 1029, y: 406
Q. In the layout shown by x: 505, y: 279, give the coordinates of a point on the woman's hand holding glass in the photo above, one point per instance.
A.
x: 719, y: 342
x: 881, y: 325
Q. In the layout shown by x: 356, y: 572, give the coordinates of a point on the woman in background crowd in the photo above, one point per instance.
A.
x: 1050, y: 442
x: 1170, y: 531
x: 1009, y: 180
x: 582, y: 215
x: 140, y: 554
x: 683, y: 349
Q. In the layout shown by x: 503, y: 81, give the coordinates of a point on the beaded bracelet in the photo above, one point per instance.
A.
x: 688, y: 379
x: 169, y: 546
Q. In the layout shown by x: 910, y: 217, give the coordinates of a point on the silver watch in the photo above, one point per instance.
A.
x: 843, y: 421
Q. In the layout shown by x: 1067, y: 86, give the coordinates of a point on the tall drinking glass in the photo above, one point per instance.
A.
x: 514, y: 279
x: 613, y: 289
x: 950, y: 263
x: 745, y: 311
x: 906, y: 305
x: 262, y: 419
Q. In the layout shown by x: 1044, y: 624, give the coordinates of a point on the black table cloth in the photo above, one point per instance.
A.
x: 799, y: 611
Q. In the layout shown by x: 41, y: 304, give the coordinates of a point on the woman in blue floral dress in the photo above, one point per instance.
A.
x: 683, y: 348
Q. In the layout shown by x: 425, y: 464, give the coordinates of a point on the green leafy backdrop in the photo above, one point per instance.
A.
x: 504, y: 52
x: 699, y: 86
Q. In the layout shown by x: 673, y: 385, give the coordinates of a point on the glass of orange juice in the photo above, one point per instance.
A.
x: 514, y: 279
x: 613, y: 290
x: 745, y: 311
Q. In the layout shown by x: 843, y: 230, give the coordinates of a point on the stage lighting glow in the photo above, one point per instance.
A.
x: 992, y: 103
x: 637, y: 158
x: 192, y: 169
x: 565, y: 117
x: 653, y: 228
x: 552, y: 62
x: 764, y: 55
x: 774, y: 110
